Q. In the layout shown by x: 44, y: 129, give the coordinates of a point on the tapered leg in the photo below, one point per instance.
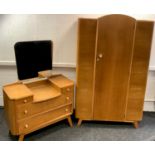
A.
x: 21, y: 137
x: 79, y: 122
x: 136, y: 125
x: 13, y: 137
x: 70, y: 121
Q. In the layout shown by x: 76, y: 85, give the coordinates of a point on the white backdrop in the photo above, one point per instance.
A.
x: 61, y: 29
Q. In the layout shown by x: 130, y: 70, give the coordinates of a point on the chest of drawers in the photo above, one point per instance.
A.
x: 34, y: 105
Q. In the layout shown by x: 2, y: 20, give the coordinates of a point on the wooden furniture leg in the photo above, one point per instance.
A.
x: 136, y: 125
x: 21, y: 138
x: 79, y: 122
x: 70, y: 121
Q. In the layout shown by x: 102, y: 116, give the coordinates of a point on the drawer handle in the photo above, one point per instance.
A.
x: 67, y: 98
x: 68, y: 89
x: 25, y: 112
x: 66, y: 110
x: 25, y: 101
x: 26, y: 126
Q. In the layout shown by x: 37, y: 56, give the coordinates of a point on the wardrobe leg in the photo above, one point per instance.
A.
x: 136, y: 125
x: 21, y: 137
x: 79, y: 122
x: 70, y: 121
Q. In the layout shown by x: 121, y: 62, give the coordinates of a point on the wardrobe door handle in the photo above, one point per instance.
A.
x: 100, y: 55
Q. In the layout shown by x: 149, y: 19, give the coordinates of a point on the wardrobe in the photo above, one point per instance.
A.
x: 112, y: 67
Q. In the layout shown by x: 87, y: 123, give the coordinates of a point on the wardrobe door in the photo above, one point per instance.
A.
x: 114, y: 51
x: 139, y: 72
x: 85, y: 68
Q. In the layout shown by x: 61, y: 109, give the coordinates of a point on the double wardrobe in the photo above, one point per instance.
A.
x: 112, y: 67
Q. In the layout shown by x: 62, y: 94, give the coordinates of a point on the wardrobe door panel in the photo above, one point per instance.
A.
x: 114, y: 53
x: 85, y: 68
x: 139, y: 72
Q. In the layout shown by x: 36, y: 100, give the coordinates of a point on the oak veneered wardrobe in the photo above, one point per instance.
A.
x: 112, y: 67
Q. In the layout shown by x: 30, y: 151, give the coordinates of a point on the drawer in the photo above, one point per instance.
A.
x: 69, y: 94
x: 24, y: 101
x: 26, y: 110
x: 68, y: 90
x: 43, y: 119
x: 69, y: 99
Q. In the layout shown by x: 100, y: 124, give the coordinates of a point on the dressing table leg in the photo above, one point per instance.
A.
x: 136, y: 125
x: 79, y: 122
x: 21, y: 137
x: 70, y: 121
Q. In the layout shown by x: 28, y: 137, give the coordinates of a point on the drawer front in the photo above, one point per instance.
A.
x: 27, y: 110
x: 69, y: 94
x: 24, y: 101
x: 69, y: 99
x: 68, y: 90
x: 44, y: 119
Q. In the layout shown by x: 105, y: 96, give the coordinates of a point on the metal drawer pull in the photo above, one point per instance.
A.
x: 26, y: 126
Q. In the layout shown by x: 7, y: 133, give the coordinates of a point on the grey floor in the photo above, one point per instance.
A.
x: 89, y: 131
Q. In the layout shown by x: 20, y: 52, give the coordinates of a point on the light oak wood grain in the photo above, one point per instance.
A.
x: 85, y: 68
x: 39, y: 104
x: 112, y: 65
x: 115, y: 36
x: 139, y: 72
